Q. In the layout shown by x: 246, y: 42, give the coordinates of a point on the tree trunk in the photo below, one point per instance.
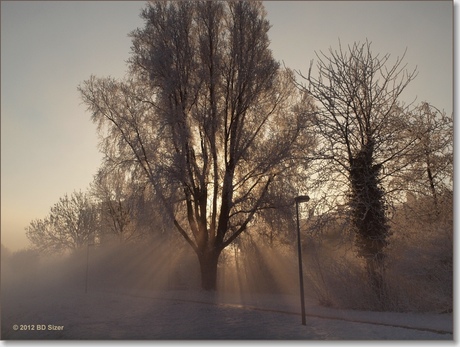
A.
x: 376, y: 273
x: 432, y: 187
x: 208, y: 268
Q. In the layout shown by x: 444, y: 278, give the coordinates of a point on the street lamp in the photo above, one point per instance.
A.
x: 299, y: 199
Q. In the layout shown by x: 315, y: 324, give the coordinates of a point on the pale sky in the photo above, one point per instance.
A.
x: 48, y: 142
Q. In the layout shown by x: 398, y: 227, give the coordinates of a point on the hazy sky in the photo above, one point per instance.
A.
x: 49, y: 144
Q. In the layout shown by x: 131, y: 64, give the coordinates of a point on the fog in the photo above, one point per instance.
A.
x: 152, y: 290
x: 154, y: 266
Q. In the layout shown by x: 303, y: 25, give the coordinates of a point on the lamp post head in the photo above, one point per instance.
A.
x: 302, y: 198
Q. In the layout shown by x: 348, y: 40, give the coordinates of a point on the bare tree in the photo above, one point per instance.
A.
x: 431, y: 161
x: 117, y: 199
x: 129, y: 210
x: 423, y: 225
x: 70, y: 225
x: 361, y: 123
x: 207, y: 115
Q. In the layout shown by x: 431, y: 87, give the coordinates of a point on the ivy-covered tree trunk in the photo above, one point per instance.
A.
x: 369, y: 219
x: 361, y: 125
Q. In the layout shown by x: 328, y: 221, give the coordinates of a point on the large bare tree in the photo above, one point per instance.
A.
x: 363, y: 137
x: 207, y: 115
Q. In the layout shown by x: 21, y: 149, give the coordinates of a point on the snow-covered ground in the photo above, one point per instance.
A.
x: 114, y: 313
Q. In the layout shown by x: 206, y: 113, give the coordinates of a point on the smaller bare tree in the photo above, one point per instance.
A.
x: 117, y: 197
x: 70, y: 225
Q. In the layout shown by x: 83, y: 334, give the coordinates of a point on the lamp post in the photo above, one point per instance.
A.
x: 299, y: 199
